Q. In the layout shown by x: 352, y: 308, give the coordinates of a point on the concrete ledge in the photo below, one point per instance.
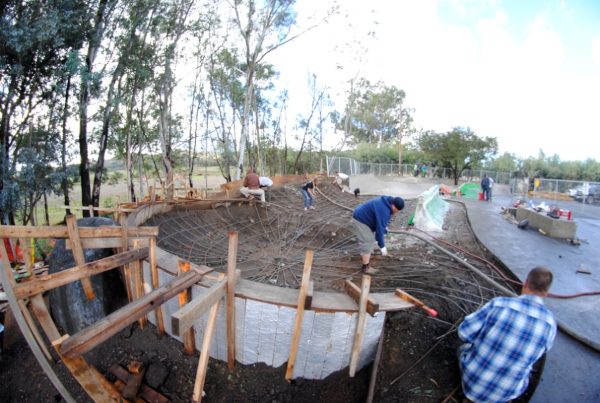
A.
x: 555, y: 228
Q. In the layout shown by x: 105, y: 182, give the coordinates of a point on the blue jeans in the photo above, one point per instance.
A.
x: 308, y: 200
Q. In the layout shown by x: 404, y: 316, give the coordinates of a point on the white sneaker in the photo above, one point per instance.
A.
x: 312, y: 207
x: 305, y: 209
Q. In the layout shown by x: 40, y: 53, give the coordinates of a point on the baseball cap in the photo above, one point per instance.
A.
x: 398, y: 202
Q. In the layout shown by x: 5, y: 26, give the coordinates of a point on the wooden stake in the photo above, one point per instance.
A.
x: 34, y: 330
x: 360, y: 324
x: 189, y: 344
x: 154, y: 274
x: 204, y: 355
x: 138, y: 281
x: 355, y: 293
x: 231, y: 278
x: 78, y: 255
x: 25, y: 248
x: 299, y: 314
x: 409, y: 298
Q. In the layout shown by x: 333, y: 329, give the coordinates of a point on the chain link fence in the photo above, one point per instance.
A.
x: 352, y: 167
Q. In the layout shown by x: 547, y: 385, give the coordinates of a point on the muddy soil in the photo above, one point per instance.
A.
x: 418, y: 361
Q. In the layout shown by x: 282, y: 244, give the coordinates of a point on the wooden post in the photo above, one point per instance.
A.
x: 204, y: 355
x: 154, y: 274
x: 355, y: 293
x: 34, y: 329
x: 299, y: 314
x: 91, y: 210
x: 124, y: 247
x: 189, y: 344
x: 78, y: 255
x: 360, y: 324
x: 138, y: 281
x: 231, y: 278
x: 25, y: 248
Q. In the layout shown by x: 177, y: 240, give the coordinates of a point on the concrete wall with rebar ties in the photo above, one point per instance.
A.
x: 431, y: 210
x: 265, y: 317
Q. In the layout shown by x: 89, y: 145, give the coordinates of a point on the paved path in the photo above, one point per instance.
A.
x: 572, y: 370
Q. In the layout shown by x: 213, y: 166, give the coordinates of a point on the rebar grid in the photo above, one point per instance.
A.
x: 273, y: 240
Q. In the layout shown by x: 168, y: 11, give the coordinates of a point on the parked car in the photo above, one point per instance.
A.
x: 576, y: 191
x: 592, y: 195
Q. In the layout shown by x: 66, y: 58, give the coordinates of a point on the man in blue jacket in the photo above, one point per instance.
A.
x: 369, y: 224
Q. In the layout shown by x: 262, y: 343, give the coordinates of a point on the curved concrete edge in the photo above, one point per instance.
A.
x: 265, y: 317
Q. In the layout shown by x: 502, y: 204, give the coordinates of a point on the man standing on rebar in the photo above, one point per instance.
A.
x: 504, y: 339
x: 369, y: 224
x: 251, y: 186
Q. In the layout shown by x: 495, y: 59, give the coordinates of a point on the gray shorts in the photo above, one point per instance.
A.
x: 365, y: 237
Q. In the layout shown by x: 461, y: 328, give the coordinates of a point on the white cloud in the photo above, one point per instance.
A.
x: 482, y: 76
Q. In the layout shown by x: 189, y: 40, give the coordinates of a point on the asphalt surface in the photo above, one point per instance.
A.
x: 572, y: 369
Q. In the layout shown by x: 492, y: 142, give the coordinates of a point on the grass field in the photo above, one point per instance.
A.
x: 111, y: 194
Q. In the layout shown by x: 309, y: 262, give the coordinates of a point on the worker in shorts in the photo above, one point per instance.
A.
x: 369, y: 224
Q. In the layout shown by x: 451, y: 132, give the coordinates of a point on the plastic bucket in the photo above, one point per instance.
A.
x: 480, y: 195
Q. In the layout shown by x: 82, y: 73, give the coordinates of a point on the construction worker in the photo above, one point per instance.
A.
x: 504, y: 339
x: 369, y: 224
x: 251, y: 186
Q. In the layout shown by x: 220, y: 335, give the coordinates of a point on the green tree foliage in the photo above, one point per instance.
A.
x: 457, y: 150
x: 375, y: 113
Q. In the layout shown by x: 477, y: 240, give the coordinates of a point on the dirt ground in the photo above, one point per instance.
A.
x: 418, y: 361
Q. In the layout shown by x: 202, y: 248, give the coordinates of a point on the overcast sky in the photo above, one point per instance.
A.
x: 524, y: 71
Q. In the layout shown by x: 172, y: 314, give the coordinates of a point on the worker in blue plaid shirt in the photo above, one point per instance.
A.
x: 504, y: 339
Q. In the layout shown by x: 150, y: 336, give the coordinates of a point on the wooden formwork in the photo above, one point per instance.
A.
x: 133, y: 244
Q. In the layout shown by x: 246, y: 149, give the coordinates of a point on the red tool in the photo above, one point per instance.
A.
x: 409, y: 298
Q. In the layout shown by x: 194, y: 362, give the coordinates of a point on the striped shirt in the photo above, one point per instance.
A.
x: 503, y: 340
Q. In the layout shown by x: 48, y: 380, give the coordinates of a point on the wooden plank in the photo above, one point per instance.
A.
x: 231, y: 282
x: 146, y: 392
x: 50, y: 281
x: 92, y: 381
x: 24, y: 231
x: 100, y: 210
x: 184, y: 318
x: 40, y: 310
x: 78, y: 255
x: 133, y: 385
x: 154, y: 275
x: 10, y: 278
x: 35, y: 348
x: 355, y: 292
x: 24, y: 244
x: 373, y: 377
x: 105, y: 243
x: 417, y: 302
x: 86, y: 339
x: 138, y: 276
x: 299, y: 314
x: 360, y: 324
x: 204, y: 356
x: 34, y: 330
x: 189, y: 342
